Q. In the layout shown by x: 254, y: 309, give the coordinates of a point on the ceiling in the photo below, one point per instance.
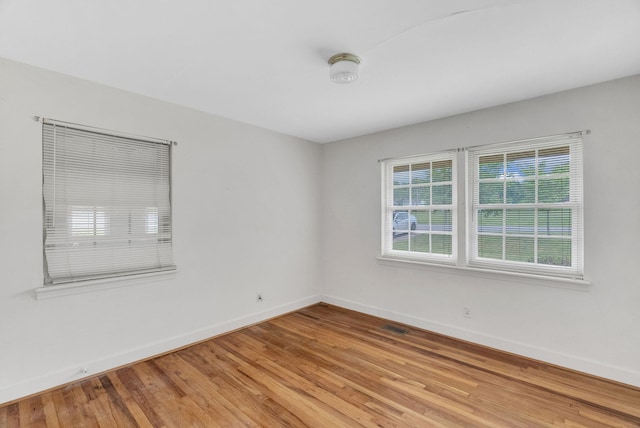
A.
x: 265, y: 62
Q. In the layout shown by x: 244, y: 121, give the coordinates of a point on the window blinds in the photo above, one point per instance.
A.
x: 107, y: 204
x: 526, y: 206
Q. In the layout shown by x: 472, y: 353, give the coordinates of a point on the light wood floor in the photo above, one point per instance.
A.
x: 324, y: 366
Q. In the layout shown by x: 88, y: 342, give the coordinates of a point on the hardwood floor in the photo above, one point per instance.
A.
x: 324, y: 366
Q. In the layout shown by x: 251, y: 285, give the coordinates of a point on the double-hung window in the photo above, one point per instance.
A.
x: 107, y: 204
x: 420, y: 208
x: 526, y: 206
x: 523, y: 210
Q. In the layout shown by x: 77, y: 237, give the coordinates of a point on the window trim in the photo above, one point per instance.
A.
x: 71, y: 288
x: 388, y: 208
x: 575, y: 203
x: 499, y: 275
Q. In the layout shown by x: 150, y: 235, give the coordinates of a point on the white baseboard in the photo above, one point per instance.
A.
x: 76, y: 373
x: 596, y: 368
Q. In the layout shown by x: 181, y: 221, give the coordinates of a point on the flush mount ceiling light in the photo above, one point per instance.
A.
x: 343, y: 68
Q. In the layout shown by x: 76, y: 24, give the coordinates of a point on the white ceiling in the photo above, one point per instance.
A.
x: 265, y: 62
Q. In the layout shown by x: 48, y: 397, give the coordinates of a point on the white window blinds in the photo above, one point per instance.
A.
x: 107, y: 204
x: 527, y: 206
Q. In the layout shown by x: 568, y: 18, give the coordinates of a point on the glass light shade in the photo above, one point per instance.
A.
x: 343, y: 68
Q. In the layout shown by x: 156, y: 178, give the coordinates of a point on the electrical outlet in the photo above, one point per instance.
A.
x: 466, y: 311
x: 259, y: 299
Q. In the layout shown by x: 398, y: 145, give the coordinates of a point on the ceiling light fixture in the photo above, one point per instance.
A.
x: 343, y: 68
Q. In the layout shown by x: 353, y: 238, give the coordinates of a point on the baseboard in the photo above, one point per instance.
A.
x: 584, y: 365
x: 73, y: 374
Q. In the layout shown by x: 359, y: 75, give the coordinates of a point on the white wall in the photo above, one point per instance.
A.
x: 596, y: 330
x: 246, y: 220
x: 299, y: 222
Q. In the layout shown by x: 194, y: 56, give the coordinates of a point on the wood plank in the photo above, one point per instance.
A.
x: 13, y: 415
x: 127, y: 382
x: 328, y: 366
x: 32, y: 411
x: 120, y: 397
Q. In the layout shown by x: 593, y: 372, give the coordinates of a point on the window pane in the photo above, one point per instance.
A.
x: 441, y: 244
x: 441, y: 221
x: 420, y: 173
x: 401, y: 196
x: 555, y: 252
x: 401, y: 174
x: 420, y: 243
x: 491, y: 166
x: 420, y: 196
x: 490, y: 221
x: 521, y: 164
x: 520, y: 249
x: 442, y: 194
x: 491, y: 193
x: 521, y: 192
x: 401, y: 242
x: 442, y: 171
x: 422, y: 219
x: 490, y: 247
x: 521, y: 222
x: 553, y: 190
x: 88, y: 221
x: 81, y: 222
x: 404, y: 221
x: 554, y: 161
x: 554, y: 222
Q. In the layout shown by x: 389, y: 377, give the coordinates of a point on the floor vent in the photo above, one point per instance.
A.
x: 395, y: 329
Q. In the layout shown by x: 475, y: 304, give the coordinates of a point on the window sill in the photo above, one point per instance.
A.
x: 551, y: 281
x: 52, y: 291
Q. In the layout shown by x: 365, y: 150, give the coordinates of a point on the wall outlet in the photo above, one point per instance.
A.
x: 466, y: 311
x: 259, y: 299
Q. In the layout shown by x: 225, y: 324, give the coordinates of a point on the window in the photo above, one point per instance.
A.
x: 88, y: 221
x: 420, y: 210
x: 523, y: 210
x: 107, y: 207
x: 526, y: 206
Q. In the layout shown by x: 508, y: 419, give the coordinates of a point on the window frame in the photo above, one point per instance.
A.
x: 575, y: 204
x: 389, y: 209
x: 464, y: 225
